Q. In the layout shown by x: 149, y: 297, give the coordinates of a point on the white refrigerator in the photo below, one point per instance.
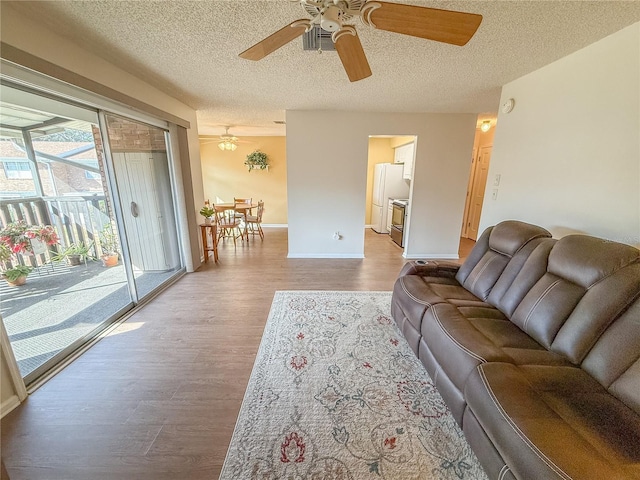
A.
x: 387, y: 183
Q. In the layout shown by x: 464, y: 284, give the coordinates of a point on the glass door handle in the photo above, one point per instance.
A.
x: 134, y: 209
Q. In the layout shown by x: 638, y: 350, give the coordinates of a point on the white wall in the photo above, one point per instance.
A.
x: 326, y: 180
x: 569, y: 152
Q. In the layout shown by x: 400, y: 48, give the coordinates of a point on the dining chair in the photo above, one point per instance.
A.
x: 242, y: 201
x: 254, y: 222
x: 241, y: 212
x: 229, y: 225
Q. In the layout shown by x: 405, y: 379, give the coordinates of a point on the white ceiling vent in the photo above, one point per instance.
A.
x: 317, y: 39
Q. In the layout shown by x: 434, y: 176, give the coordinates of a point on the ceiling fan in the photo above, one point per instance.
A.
x: 333, y: 16
x: 226, y: 141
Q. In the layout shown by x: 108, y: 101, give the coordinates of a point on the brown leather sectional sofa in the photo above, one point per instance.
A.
x: 534, y: 343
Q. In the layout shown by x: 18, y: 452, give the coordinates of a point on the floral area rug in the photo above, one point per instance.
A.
x: 336, y: 393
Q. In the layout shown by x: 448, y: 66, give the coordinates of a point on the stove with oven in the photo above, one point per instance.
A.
x: 399, y: 220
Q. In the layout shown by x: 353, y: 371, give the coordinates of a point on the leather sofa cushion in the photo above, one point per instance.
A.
x: 414, y: 294
x: 546, y: 307
x: 597, y: 309
x: 579, y: 295
x: 510, y: 236
x: 477, y: 252
x: 493, y: 252
x: 486, y: 273
x: 585, y: 260
x: 455, y: 344
x: 554, y: 422
x: 522, y: 273
x: 461, y: 338
x: 614, y: 361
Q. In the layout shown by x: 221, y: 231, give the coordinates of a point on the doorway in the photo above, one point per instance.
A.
x: 389, y: 174
x: 476, y: 189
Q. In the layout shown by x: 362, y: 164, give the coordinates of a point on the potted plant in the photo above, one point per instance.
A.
x: 207, y: 212
x: 75, y: 254
x: 18, y: 236
x: 13, y: 275
x: 257, y: 159
x: 17, y: 276
x: 109, y: 244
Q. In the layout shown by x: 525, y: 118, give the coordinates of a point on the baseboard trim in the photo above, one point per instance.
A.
x: 275, y: 225
x: 430, y: 256
x: 325, y: 255
x: 8, y: 405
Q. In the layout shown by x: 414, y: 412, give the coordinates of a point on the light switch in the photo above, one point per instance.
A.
x: 496, y: 180
x: 494, y: 194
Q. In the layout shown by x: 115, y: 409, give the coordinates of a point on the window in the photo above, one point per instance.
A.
x: 17, y: 169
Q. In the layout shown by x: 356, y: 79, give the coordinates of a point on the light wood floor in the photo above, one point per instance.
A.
x: 158, y: 398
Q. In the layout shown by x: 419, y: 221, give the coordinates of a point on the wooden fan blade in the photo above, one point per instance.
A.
x: 275, y: 41
x: 446, y: 26
x: 352, y: 56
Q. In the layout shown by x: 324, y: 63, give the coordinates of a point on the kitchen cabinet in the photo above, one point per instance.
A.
x: 404, y: 154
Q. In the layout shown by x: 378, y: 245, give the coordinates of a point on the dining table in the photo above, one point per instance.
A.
x: 240, y: 208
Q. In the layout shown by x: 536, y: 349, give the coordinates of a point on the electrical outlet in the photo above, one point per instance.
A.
x: 496, y: 180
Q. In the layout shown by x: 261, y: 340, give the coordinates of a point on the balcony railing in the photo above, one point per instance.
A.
x: 77, y: 219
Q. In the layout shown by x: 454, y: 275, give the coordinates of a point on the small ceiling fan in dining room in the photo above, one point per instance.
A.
x: 337, y: 17
x: 226, y: 141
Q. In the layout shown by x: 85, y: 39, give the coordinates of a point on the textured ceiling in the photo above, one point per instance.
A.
x: 190, y: 50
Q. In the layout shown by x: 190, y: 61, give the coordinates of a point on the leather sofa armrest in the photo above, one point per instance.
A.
x: 430, y: 268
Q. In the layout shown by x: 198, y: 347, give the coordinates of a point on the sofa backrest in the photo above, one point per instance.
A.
x: 524, y: 270
x: 614, y: 360
x: 587, y: 284
x: 492, y: 253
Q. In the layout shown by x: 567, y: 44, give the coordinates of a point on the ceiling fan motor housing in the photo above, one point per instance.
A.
x: 330, y: 19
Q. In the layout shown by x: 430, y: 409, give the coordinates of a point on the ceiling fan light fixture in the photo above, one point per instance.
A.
x: 227, y: 145
x: 227, y: 141
x: 485, y: 126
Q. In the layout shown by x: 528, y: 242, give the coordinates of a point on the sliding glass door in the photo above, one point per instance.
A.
x: 87, y: 222
x: 55, y: 212
x: 142, y: 177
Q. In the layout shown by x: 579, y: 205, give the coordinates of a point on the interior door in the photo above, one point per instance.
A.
x: 477, y: 191
x: 467, y: 200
